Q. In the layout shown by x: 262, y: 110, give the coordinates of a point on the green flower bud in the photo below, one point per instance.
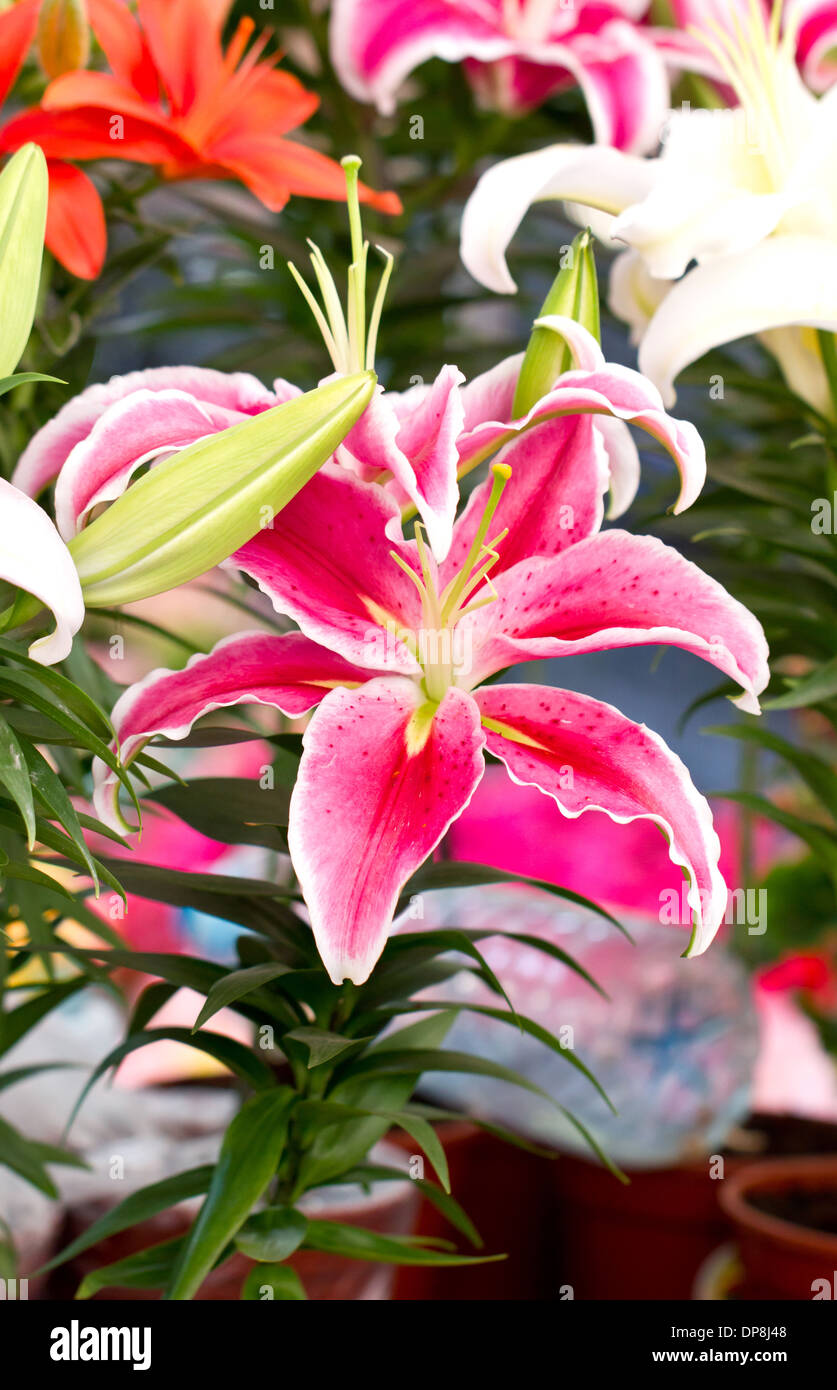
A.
x: 23, y: 206
x: 574, y: 295
x: 197, y: 508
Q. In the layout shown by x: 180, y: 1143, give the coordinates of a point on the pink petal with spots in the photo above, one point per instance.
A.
x: 49, y: 449
x: 289, y: 672
x: 553, y: 499
x: 589, y: 757
x: 326, y: 564
x: 618, y: 590
x: 377, y: 788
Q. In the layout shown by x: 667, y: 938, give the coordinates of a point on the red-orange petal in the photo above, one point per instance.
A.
x: 88, y: 133
x: 17, y: 30
x: 75, y: 232
x: 123, y: 44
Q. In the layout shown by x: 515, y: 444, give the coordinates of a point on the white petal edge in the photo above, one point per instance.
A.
x: 784, y: 281
x: 595, y: 175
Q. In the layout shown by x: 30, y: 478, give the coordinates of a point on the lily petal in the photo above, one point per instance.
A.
x: 289, y: 672
x: 414, y: 437
x: 34, y: 558
x: 375, y: 44
x: 324, y: 562
x: 588, y: 757
x: 48, y: 450
x: 75, y: 229
x: 553, y: 500
x: 618, y: 590
x: 785, y: 280
x: 622, y: 461
x: 126, y: 435
x: 597, y: 176
x: 360, y: 824
x: 624, y: 82
x: 123, y: 44
x: 17, y: 30
x: 605, y: 389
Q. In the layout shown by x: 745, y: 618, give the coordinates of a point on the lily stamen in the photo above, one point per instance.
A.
x: 501, y: 472
x: 351, y: 345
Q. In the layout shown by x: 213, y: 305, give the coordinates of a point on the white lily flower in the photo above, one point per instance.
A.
x: 732, y: 227
x: 34, y: 558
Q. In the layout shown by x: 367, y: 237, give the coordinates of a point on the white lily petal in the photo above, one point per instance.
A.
x: 623, y: 463
x: 784, y: 281
x: 34, y: 558
x: 596, y: 175
x: 634, y: 295
x: 798, y: 354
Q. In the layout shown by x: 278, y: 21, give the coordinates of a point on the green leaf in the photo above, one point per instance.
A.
x: 334, y: 1112
x: 8, y: 383
x: 818, y: 837
x: 443, y: 1202
x: 234, y: 810
x: 236, y: 985
x: 14, y: 775
x: 22, y: 1156
x: 323, y: 1046
x: 815, y: 773
x: 15, y: 1023
x: 53, y: 796
x: 12, y: 1078
x: 249, y: 1157
x: 270, y: 1236
x: 238, y: 1058
x: 813, y: 689
x: 146, y: 1269
x: 337, y: 1238
x: 453, y: 873
x: 282, y: 1281
x: 138, y: 1207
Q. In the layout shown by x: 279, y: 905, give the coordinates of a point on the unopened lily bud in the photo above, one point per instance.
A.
x: 23, y: 206
x: 197, y: 508
x: 63, y: 36
x: 574, y: 295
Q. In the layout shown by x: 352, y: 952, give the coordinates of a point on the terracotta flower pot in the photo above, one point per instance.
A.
x: 507, y: 1194
x: 775, y: 1207
x: 649, y: 1239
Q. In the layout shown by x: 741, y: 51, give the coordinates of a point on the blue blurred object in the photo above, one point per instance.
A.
x: 673, y: 1047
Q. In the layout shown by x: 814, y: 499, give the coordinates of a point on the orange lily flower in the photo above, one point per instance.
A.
x: 75, y: 230
x: 177, y: 98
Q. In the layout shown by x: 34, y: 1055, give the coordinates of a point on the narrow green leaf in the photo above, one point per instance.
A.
x: 14, y: 775
x: 337, y: 1238
x: 249, y: 1157
x: 138, y: 1207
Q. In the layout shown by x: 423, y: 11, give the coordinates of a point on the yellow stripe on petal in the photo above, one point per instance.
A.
x: 418, y: 729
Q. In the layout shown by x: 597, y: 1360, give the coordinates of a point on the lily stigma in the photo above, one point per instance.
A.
x: 352, y: 348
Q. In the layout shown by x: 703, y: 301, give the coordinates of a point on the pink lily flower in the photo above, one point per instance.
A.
x: 814, y: 23
x: 517, y: 54
x: 415, y: 445
x: 395, y: 650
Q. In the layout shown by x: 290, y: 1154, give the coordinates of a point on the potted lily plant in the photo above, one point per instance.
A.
x: 398, y: 643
